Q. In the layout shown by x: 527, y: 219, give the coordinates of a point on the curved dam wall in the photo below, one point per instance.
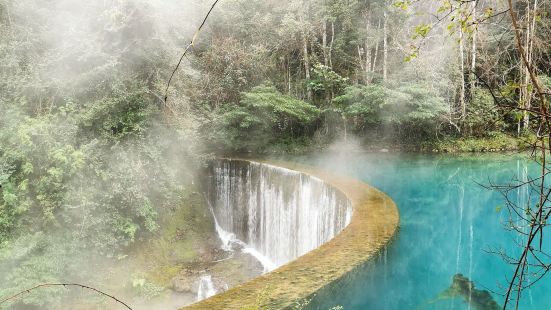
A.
x: 320, y: 245
x: 279, y: 213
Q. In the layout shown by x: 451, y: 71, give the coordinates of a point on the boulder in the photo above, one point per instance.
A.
x: 185, y: 282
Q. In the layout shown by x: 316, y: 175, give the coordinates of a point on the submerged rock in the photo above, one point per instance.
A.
x: 463, y: 287
x: 186, y: 282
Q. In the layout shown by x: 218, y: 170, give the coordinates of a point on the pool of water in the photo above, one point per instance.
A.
x: 448, y: 222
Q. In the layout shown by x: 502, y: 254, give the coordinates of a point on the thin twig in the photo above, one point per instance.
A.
x: 45, y: 285
x: 188, y: 47
x: 537, y: 226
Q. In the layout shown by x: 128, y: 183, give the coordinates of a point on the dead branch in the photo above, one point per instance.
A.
x: 537, y: 223
x: 45, y: 285
x: 188, y: 47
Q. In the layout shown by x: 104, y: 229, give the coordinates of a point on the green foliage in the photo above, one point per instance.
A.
x: 276, y: 108
x: 325, y: 80
x: 422, y: 30
x: 147, y: 289
x: 482, y: 114
x: 414, y: 105
x: 263, y: 116
x: 87, y: 166
x: 404, y: 5
x: 91, y: 160
x: 118, y: 116
x: 332, y: 54
x: 40, y: 258
x: 363, y: 103
x: 545, y: 81
x: 408, y: 106
x: 492, y: 142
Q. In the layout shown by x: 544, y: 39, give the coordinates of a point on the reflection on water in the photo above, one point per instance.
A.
x: 447, y: 224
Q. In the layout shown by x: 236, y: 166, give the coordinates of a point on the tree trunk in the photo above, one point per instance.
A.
x: 305, y: 38
x: 324, y: 43
x: 367, y: 53
x: 462, y: 74
x: 331, y: 44
x: 361, y: 62
x: 9, y: 25
x: 524, y: 76
x: 530, y: 34
x: 288, y: 76
x: 472, y: 75
x: 385, y: 46
x: 306, y: 64
x: 376, y: 53
x: 360, y: 57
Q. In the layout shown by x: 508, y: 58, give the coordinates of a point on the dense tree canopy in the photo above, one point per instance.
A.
x: 389, y: 69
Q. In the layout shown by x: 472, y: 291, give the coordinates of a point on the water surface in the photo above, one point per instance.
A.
x: 448, y: 222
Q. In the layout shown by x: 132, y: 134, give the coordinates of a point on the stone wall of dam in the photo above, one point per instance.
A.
x: 306, y: 226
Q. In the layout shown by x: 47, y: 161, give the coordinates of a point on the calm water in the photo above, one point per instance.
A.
x: 447, y: 222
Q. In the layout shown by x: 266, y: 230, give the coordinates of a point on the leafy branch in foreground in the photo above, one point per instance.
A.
x: 45, y: 285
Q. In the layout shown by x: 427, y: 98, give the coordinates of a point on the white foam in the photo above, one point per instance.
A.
x: 206, y: 288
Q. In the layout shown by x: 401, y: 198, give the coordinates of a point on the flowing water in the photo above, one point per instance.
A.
x: 206, y: 288
x: 448, y: 223
x: 272, y: 213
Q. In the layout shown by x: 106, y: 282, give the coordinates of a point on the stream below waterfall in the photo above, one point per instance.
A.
x: 448, y: 223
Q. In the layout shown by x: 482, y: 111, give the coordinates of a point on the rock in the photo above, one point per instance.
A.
x: 220, y: 285
x: 384, y: 151
x: 186, y: 282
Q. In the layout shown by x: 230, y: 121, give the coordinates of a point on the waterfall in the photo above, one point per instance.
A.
x: 229, y: 240
x: 274, y: 214
x: 206, y: 288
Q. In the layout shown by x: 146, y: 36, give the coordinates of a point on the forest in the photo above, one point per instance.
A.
x: 95, y: 162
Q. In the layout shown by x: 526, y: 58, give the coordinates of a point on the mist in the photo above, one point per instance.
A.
x: 92, y: 163
x: 102, y: 180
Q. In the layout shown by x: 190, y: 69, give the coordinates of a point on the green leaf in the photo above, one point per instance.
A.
x: 422, y: 30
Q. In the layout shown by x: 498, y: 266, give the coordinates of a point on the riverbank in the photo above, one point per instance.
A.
x: 498, y: 142
x: 491, y: 144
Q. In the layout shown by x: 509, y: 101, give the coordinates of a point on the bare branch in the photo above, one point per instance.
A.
x: 45, y: 285
x: 188, y: 47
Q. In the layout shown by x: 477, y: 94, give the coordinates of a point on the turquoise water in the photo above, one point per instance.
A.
x: 447, y: 224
